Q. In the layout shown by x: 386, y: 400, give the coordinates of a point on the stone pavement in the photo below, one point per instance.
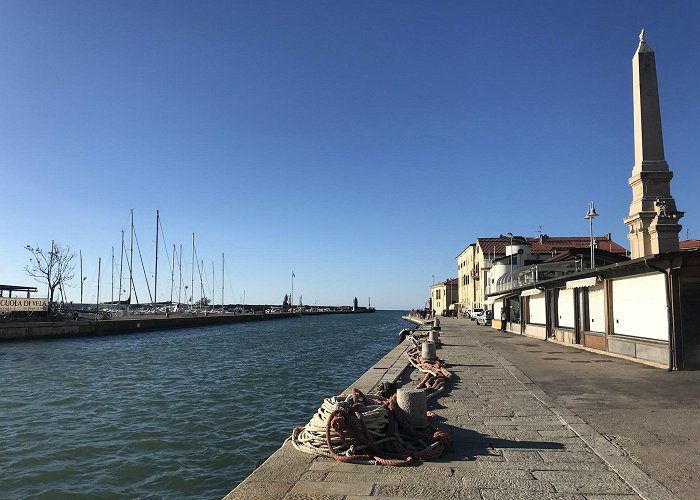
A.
x: 510, y: 440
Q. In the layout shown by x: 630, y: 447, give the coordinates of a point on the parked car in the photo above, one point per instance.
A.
x: 449, y: 313
x: 484, y: 318
x: 475, y: 312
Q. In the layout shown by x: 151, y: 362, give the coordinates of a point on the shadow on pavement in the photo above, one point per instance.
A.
x: 467, y: 444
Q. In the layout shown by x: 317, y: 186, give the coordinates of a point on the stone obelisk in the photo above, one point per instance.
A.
x: 653, y: 219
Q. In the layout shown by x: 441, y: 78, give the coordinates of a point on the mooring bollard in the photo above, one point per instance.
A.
x: 428, y: 351
x: 414, y: 403
x: 434, y: 336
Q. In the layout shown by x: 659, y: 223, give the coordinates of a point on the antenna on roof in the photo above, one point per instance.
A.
x: 539, y: 231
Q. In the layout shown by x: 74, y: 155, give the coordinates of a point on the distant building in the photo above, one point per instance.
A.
x: 465, y: 279
x: 444, y: 294
x: 509, y: 254
x: 690, y: 244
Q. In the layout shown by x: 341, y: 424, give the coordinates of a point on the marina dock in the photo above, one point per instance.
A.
x: 33, y: 330
x: 509, y: 438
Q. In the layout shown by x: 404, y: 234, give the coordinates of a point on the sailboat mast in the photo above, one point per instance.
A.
x: 81, y: 277
x: 172, y: 276
x: 131, y: 260
x: 179, y: 273
x: 99, y: 271
x: 121, y: 267
x: 155, y: 279
x: 212, y: 285
x: 222, y: 282
x: 112, y: 298
x: 192, y: 284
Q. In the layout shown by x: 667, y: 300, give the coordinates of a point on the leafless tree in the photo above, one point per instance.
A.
x: 54, y: 267
x: 203, y: 302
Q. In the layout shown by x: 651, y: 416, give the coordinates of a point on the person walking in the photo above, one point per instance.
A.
x: 504, y: 319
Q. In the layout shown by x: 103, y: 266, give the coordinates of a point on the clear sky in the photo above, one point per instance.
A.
x: 361, y: 144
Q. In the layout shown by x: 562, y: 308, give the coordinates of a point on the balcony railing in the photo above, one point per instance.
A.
x: 533, y: 274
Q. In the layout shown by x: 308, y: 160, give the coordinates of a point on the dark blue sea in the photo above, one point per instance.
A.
x: 173, y: 414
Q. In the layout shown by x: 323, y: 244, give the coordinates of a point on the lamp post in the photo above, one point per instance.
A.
x: 590, y: 215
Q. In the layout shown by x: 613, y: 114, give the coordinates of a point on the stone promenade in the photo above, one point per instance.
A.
x: 510, y: 440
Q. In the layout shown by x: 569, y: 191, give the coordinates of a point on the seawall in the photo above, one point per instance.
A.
x: 35, y: 330
x: 130, y: 324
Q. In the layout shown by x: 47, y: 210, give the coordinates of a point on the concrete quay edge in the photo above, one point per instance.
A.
x: 510, y: 440
x: 258, y: 485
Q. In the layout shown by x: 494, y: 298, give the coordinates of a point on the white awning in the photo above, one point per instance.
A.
x: 582, y: 283
x: 493, y: 299
x: 532, y: 291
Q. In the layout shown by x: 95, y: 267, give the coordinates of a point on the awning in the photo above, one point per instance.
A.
x: 532, y: 291
x: 582, y: 283
x: 491, y: 300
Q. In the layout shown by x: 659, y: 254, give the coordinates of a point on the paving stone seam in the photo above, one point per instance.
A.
x: 646, y: 487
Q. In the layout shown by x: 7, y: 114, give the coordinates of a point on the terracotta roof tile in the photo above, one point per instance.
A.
x: 689, y: 244
x: 551, y: 245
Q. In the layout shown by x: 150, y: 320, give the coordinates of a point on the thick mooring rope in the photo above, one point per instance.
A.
x: 367, y: 429
x: 436, y: 375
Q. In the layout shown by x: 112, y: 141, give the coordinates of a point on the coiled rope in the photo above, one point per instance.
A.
x: 367, y: 429
x: 436, y: 375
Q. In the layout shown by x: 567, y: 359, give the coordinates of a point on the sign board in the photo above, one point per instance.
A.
x: 8, y: 304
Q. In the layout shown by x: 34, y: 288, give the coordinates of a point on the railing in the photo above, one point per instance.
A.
x: 533, y: 274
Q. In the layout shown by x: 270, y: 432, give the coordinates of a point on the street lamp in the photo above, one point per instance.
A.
x: 590, y: 215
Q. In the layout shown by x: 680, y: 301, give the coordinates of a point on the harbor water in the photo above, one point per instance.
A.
x: 174, y: 414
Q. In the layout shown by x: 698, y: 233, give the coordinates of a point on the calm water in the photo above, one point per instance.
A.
x: 185, y: 413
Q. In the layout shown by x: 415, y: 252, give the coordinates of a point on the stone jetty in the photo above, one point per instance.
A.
x: 509, y: 439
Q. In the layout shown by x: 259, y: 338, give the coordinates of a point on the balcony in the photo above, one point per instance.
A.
x: 533, y: 274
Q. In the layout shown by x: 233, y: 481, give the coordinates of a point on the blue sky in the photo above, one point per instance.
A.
x: 360, y: 144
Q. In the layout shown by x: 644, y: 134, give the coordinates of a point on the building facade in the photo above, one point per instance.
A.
x: 641, y: 309
x: 444, y: 294
x: 487, y: 260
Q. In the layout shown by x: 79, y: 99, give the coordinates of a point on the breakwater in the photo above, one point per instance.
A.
x: 137, y: 323
x: 185, y: 413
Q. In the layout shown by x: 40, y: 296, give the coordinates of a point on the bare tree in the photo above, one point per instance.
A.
x: 203, y: 302
x: 55, y: 267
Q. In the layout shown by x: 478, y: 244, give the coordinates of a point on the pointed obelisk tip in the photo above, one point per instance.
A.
x: 641, y: 35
